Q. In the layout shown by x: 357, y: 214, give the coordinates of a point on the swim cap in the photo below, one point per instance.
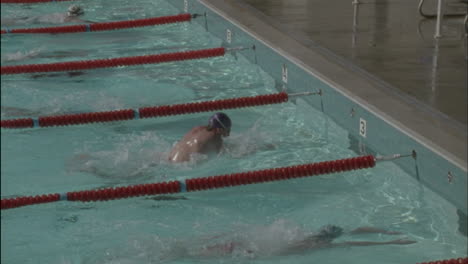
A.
x: 75, y: 10
x: 330, y: 232
x: 220, y: 120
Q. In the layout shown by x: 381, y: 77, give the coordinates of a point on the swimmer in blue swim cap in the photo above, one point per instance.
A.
x: 220, y: 122
x: 202, y: 139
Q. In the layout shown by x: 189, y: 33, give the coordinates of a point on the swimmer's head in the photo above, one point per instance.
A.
x: 75, y: 10
x: 329, y: 232
x: 220, y: 121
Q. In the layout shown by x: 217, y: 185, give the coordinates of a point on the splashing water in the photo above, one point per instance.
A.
x: 21, y: 55
x: 240, y: 244
x: 135, y: 157
x: 249, y: 142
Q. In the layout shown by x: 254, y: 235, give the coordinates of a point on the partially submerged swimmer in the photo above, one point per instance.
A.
x: 71, y: 16
x: 323, y: 239
x: 202, y: 139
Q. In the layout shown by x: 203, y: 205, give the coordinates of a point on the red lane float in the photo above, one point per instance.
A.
x: 146, y: 112
x: 278, y: 174
x: 125, y: 192
x: 208, y: 106
x: 18, y: 123
x: 113, y: 62
x: 29, y: 200
x: 448, y: 261
x: 76, y: 119
x: 198, y: 184
x: 104, y: 26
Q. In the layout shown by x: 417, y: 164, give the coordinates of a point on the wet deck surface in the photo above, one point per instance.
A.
x: 388, y: 39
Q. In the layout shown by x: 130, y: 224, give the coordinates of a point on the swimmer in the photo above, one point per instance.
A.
x: 10, y: 111
x: 202, y: 139
x: 253, y: 247
x: 71, y: 16
x: 20, y: 56
x: 324, y: 239
x: 51, y: 75
x: 321, y: 240
x: 39, y: 53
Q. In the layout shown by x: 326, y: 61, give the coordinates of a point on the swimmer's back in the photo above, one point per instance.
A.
x: 198, y: 140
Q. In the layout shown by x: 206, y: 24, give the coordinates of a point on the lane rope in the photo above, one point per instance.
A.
x: 113, y: 62
x: 104, y: 26
x: 198, y: 184
x: 146, y: 112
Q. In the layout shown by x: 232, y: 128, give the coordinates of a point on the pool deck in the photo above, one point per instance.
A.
x: 426, y: 100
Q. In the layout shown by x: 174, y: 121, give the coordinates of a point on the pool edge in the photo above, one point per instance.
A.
x: 440, y: 168
x: 431, y: 132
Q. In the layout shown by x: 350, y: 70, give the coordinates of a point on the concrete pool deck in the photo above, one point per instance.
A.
x: 410, y: 114
x: 387, y: 39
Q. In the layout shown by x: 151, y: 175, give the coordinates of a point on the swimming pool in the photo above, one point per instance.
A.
x: 142, y: 230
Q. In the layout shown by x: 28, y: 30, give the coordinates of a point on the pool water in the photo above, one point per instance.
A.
x: 264, y: 218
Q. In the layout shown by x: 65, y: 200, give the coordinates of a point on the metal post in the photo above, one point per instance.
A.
x: 439, y: 19
x: 355, y: 23
x: 435, y: 67
x: 465, y: 23
x: 305, y: 93
x: 396, y: 156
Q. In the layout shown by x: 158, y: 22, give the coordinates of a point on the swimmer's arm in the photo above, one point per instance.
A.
x: 88, y: 21
x: 311, y: 243
x: 371, y: 243
x: 103, y: 173
x: 9, y: 111
x: 305, y: 245
x: 369, y: 230
x: 63, y: 54
x: 219, y: 146
x: 228, y: 148
x: 78, y: 163
x: 78, y: 20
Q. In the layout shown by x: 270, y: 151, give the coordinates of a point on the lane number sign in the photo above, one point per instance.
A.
x: 362, y: 127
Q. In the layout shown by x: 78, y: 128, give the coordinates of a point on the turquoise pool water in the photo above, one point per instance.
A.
x: 176, y: 229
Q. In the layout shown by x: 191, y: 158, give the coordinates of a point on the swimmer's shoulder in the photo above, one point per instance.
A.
x: 198, y: 129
